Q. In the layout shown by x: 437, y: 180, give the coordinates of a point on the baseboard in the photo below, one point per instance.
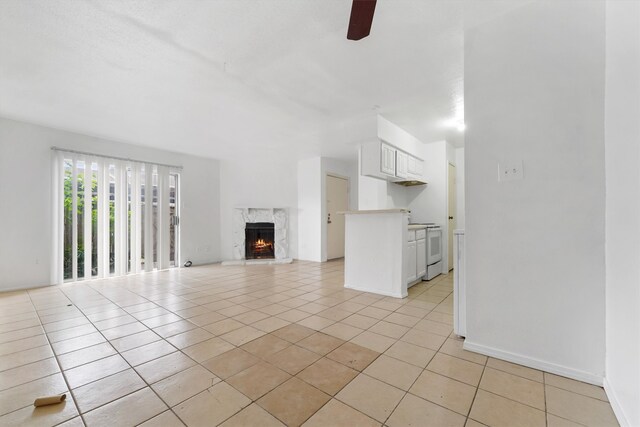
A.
x: 615, y: 405
x: 23, y: 288
x: 414, y: 283
x: 531, y: 362
x: 387, y: 294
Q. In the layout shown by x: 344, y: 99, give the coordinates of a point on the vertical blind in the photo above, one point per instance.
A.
x: 111, y: 216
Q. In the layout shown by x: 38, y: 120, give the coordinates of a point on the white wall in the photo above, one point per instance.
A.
x: 25, y: 192
x: 396, y: 136
x: 344, y: 169
x: 310, y: 209
x: 460, y: 188
x: 374, y: 193
x: 534, y: 91
x: 257, y: 183
x: 312, y: 206
x: 622, y: 153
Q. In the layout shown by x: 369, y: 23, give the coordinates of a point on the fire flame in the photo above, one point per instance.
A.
x: 261, y: 244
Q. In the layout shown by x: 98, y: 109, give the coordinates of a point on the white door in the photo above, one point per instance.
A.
x: 337, y: 201
x: 452, y: 212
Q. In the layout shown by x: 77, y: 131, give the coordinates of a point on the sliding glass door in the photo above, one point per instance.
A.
x: 174, y: 221
x: 113, y: 217
x: 80, y: 222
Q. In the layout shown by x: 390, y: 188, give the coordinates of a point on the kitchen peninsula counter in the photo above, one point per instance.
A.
x: 375, y: 246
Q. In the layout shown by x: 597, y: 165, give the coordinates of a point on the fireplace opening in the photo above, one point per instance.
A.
x: 259, y: 240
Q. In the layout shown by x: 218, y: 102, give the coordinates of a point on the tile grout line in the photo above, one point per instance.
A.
x: 414, y: 381
x: 517, y: 401
x: 170, y: 408
x: 55, y: 356
x: 331, y: 397
x: 544, y: 394
x: 130, y: 367
x: 476, y: 391
x: 23, y: 350
x: 309, y: 289
x: 28, y: 382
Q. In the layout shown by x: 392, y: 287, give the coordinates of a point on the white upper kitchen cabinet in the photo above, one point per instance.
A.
x: 387, y: 159
x: 381, y: 160
x: 401, y: 164
x: 415, y: 167
x: 378, y: 160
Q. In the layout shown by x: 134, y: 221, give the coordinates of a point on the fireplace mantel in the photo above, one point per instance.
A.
x: 278, y: 216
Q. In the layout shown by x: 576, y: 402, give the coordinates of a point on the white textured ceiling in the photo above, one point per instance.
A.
x: 225, y: 78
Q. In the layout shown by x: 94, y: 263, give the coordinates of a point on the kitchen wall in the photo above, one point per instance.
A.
x: 25, y: 198
x: 377, y: 193
x: 257, y: 183
x: 534, y: 91
x: 622, y: 154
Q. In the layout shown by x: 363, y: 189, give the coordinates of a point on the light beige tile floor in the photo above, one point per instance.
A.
x: 263, y: 345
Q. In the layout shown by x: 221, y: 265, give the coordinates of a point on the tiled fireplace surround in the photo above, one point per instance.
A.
x: 278, y: 216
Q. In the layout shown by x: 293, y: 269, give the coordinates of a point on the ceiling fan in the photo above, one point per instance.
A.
x: 361, y: 19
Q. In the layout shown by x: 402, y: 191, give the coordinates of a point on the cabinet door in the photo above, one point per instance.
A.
x: 411, y: 262
x: 421, y: 257
x: 387, y: 159
x: 411, y: 165
x: 419, y: 169
x: 401, y: 164
x: 414, y: 167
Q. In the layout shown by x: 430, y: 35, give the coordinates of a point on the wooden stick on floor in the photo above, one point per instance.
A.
x: 49, y: 400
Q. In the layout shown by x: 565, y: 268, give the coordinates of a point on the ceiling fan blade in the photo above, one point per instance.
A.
x: 361, y: 19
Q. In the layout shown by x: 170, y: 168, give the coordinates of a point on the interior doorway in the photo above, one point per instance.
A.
x: 451, y: 212
x: 337, y: 190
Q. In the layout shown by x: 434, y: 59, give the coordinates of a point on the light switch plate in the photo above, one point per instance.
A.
x: 510, y: 171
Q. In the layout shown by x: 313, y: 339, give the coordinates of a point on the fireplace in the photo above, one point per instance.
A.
x: 259, y: 240
x: 274, y: 250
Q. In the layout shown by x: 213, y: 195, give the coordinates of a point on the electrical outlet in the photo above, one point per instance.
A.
x: 510, y: 171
